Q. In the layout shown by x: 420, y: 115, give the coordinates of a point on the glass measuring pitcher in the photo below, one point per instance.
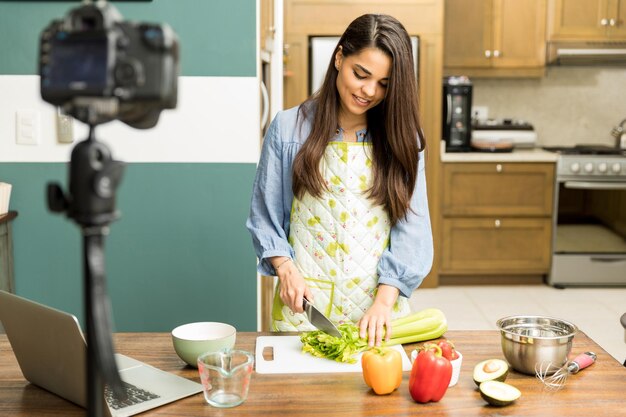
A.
x: 225, y: 376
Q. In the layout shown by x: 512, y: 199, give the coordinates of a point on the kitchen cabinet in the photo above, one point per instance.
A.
x: 598, y: 20
x: 497, y: 219
x: 494, y: 38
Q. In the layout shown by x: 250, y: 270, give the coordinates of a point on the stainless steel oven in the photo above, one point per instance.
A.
x: 589, y: 246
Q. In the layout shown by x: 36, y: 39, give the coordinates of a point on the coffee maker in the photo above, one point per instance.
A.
x: 457, y: 113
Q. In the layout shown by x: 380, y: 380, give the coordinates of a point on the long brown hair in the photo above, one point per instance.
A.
x: 393, y: 125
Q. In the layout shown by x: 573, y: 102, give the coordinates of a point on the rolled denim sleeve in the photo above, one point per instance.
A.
x: 409, y: 257
x: 266, y: 221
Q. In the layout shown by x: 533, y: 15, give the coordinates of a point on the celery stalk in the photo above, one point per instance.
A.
x: 420, y: 337
x: 426, y: 313
x: 416, y: 327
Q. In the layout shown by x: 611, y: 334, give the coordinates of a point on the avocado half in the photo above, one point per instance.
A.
x: 498, y: 393
x: 490, y: 370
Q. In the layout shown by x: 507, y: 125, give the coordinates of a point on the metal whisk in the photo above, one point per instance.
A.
x: 554, y: 377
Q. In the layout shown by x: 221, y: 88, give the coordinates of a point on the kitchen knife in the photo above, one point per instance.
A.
x: 319, y: 320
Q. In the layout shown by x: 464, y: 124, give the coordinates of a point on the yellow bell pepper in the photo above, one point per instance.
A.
x: 382, y: 369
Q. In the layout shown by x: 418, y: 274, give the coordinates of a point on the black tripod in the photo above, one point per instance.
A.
x: 93, y: 179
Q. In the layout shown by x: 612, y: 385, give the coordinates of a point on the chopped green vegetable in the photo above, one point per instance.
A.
x: 424, y: 325
x: 341, y: 349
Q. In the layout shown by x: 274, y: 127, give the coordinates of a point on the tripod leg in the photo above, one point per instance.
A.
x: 101, y: 366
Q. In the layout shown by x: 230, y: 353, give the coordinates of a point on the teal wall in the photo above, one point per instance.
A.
x: 180, y: 252
x: 218, y: 37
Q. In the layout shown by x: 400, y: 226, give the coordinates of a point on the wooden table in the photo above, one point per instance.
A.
x: 597, y: 391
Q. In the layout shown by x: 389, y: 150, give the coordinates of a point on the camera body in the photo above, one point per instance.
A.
x: 99, y: 68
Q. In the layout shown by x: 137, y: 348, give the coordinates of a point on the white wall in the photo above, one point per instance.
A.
x: 570, y: 105
x: 217, y: 120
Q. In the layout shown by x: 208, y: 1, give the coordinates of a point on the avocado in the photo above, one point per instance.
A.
x: 498, y: 393
x: 491, y: 370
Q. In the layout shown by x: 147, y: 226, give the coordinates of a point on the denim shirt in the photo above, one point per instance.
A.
x: 405, y: 262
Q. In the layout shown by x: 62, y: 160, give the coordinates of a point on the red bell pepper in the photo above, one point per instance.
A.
x: 430, y: 375
x: 447, y: 350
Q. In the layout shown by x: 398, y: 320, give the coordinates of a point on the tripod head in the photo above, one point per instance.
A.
x: 93, y: 180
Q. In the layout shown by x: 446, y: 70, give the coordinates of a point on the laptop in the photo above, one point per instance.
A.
x: 51, y: 351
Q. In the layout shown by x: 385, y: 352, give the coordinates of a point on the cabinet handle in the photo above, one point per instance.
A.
x: 499, y: 168
x: 604, y: 22
x: 496, y: 54
x: 488, y: 53
x: 497, y: 223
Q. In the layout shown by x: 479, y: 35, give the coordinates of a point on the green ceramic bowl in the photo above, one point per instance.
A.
x: 193, y: 339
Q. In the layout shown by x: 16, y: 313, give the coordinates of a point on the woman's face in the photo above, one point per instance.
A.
x: 362, y: 80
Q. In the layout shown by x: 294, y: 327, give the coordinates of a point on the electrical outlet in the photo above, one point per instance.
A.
x: 27, y: 127
x: 65, y: 127
x: 480, y: 112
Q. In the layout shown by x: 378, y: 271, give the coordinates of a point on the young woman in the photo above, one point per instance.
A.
x: 339, y: 210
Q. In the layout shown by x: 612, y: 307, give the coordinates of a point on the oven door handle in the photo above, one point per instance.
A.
x: 607, y: 260
x: 588, y: 185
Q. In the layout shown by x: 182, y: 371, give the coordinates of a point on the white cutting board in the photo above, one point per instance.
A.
x: 289, y: 358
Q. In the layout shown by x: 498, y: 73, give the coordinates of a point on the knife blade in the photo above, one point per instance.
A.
x: 319, y: 320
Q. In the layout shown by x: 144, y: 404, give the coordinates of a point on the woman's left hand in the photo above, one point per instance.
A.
x: 376, y: 322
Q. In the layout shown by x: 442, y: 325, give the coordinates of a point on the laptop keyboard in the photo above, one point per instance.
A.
x: 134, y: 394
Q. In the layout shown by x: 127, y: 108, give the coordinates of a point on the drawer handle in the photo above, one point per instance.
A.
x: 499, y: 168
x: 497, y: 223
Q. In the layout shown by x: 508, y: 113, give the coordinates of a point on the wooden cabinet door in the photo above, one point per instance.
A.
x: 266, y: 23
x: 488, y: 36
x: 468, y: 33
x: 519, y: 33
x: 578, y: 19
x: 496, y: 246
x: 498, y: 189
x: 617, y: 12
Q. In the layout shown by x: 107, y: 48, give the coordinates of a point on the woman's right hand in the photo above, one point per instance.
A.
x: 293, y: 288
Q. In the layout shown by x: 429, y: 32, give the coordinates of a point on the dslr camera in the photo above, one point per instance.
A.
x: 98, y: 67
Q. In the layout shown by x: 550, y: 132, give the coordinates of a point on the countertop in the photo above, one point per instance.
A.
x: 596, y: 391
x: 517, y: 155
x: 7, y: 217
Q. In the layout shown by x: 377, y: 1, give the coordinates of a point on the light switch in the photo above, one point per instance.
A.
x: 27, y: 127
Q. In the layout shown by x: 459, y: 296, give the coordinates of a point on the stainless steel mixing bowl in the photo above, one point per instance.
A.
x: 535, y: 340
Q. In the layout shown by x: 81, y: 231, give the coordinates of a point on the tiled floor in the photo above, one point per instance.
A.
x: 596, y: 311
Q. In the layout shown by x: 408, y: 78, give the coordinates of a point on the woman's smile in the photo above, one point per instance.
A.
x: 361, y: 101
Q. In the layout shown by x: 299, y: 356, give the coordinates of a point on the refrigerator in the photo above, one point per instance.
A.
x: 320, y: 52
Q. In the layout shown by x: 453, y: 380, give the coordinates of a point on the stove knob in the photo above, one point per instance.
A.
x: 575, y: 167
x: 616, y: 168
x: 589, y: 167
x: 602, y: 167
